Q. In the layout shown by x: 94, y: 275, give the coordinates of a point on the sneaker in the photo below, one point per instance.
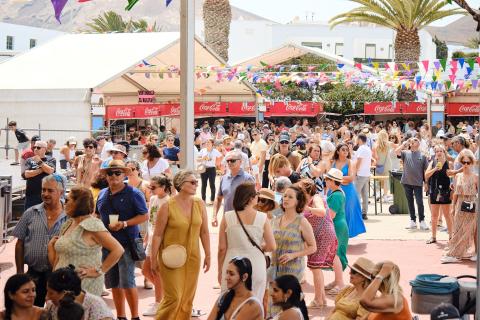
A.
x: 412, y: 225
x: 15, y: 163
x: 473, y: 258
x: 151, y: 310
x: 448, y: 259
x: 423, y: 226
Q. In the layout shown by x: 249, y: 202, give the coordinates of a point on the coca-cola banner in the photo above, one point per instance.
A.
x: 294, y: 108
x: 211, y: 108
x: 381, y: 108
x: 413, y: 107
x: 243, y: 109
x: 463, y: 109
x: 121, y: 112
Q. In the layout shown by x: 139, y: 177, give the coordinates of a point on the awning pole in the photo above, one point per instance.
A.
x: 187, y: 61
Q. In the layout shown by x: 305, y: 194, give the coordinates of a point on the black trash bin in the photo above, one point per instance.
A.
x: 400, y: 204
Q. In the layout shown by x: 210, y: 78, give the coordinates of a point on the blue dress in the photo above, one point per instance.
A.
x: 353, y: 209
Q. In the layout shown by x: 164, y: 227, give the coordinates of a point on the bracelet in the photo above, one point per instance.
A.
x: 379, y: 277
x: 125, y: 224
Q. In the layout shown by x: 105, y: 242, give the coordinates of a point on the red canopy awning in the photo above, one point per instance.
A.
x: 214, y: 109
x: 413, y: 107
x: 390, y: 108
x: 455, y: 109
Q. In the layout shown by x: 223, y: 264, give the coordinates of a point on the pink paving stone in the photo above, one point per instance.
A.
x: 413, y: 257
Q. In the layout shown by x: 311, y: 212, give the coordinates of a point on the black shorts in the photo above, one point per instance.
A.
x: 445, y: 199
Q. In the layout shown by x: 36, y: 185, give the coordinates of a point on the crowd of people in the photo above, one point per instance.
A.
x: 287, y: 200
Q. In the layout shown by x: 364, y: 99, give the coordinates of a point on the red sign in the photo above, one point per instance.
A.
x: 413, y: 107
x: 121, y: 112
x: 294, y: 108
x: 210, y: 108
x: 463, y: 109
x: 243, y: 109
x: 381, y: 108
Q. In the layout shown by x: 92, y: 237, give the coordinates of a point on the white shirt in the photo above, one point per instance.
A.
x: 364, y: 153
x: 106, y: 148
x: 158, y: 168
x: 212, y: 155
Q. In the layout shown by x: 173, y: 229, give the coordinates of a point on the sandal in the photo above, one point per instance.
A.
x: 431, y: 240
x: 334, y: 291
x: 316, y: 305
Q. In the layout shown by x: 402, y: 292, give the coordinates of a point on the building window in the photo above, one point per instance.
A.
x: 33, y: 43
x: 390, y: 52
x: 9, y: 45
x: 370, y: 51
x: 312, y: 44
x: 339, y: 49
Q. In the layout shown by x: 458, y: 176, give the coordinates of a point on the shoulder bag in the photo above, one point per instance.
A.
x: 267, y: 258
x: 135, y: 246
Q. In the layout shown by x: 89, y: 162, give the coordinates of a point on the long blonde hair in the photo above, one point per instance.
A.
x: 277, y: 161
x: 444, y: 152
x: 391, y: 284
x: 382, y: 141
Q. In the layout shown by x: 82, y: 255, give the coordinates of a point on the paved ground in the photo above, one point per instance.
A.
x: 386, y: 238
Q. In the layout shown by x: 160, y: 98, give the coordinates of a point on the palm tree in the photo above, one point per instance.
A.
x: 111, y: 21
x: 217, y: 16
x: 406, y: 17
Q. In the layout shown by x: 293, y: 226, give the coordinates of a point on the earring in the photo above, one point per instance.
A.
x: 285, y: 300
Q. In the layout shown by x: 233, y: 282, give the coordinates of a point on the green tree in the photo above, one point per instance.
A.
x: 442, y: 48
x: 217, y: 16
x: 111, y: 22
x: 474, y: 43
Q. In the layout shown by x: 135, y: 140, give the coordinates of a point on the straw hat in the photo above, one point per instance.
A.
x: 335, y: 175
x: 364, y: 266
x: 117, y: 165
x: 119, y: 148
x: 268, y: 194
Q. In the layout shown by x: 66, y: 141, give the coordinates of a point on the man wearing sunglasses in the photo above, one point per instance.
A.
x: 229, y: 184
x: 36, y: 168
x: 122, y: 208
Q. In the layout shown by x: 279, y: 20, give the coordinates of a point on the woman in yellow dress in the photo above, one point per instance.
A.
x: 347, y: 302
x: 181, y: 221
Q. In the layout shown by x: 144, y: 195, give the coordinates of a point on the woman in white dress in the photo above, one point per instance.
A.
x: 154, y: 164
x: 234, y: 241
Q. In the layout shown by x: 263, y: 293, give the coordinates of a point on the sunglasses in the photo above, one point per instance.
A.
x: 111, y: 173
x: 89, y: 147
x: 193, y: 182
x: 37, y: 148
x: 232, y: 160
x: 284, y: 142
x: 271, y: 140
x: 466, y: 162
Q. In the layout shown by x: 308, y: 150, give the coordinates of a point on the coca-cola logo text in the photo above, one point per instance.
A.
x: 384, y: 109
x: 421, y: 108
x: 475, y: 109
x: 209, y: 107
x: 296, y: 108
x: 175, y: 110
x: 248, y: 108
x: 123, y: 112
x: 152, y: 112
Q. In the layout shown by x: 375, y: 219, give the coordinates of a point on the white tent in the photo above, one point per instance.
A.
x: 52, y: 85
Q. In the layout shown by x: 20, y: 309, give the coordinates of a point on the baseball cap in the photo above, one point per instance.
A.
x: 284, y: 137
x: 444, y: 311
x: 300, y: 142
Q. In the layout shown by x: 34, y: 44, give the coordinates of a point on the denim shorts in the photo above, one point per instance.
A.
x: 122, y: 274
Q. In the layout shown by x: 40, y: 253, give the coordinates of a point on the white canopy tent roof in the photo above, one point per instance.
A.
x: 293, y: 50
x: 109, y: 64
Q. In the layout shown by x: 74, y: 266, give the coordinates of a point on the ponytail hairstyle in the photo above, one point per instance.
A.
x: 164, y: 182
x: 14, y: 283
x: 296, y: 299
x: 68, y: 309
x: 244, y: 266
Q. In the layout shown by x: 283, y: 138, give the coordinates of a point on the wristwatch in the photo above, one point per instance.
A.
x: 99, y: 271
x: 40, y: 163
x: 125, y: 224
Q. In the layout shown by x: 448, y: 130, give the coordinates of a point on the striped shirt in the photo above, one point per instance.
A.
x: 33, y: 230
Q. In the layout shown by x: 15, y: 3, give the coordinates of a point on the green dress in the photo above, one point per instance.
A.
x: 336, y: 202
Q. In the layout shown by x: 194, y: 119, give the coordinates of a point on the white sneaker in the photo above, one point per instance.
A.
x: 152, y: 310
x: 423, y: 226
x: 473, y: 258
x: 412, y: 225
x: 448, y: 259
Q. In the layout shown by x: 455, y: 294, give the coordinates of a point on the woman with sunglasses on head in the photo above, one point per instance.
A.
x: 439, y: 190
x: 181, y: 222
x: 245, y: 232
x: 161, y: 188
x: 88, y: 163
x: 353, y: 210
x: 153, y: 163
x: 286, y: 293
x: 394, y: 160
x: 464, y: 210
x: 239, y: 302
x: 81, y: 240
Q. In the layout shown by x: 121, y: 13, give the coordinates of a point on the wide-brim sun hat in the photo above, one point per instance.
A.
x: 335, y: 175
x: 364, y: 266
x: 268, y: 194
x: 116, y: 165
x: 119, y: 148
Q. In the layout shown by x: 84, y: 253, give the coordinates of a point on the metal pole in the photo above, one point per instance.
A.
x: 7, y: 147
x: 477, y: 301
x: 187, y: 61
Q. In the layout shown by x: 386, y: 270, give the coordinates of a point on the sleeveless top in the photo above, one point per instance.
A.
x: 289, y: 239
x: 439, y: 181
x: 296, y: 309
x: 72, y: 249
x: 305, y: 173
x: 240, y: 306
x: 404, y: 314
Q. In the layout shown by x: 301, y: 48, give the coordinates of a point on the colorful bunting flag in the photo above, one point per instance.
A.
x: 58, y: 6
x: 130, y: 4
x: 443, y: 62
x: 461, y: 61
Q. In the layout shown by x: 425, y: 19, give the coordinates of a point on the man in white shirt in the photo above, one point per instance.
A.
x: 364, y: 161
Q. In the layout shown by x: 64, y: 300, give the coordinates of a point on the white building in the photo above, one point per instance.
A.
x: 15, y: 39
x: 352, y: 41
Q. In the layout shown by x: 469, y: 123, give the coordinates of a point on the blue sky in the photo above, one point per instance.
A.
x: 286, y: 10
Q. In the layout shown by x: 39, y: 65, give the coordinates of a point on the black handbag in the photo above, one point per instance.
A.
x: 468, y: 206
x: 267, y: 258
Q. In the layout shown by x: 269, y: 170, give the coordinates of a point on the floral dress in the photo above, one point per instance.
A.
x: 72, y: 249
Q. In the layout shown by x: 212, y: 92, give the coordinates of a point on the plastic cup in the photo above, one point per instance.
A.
x: 113, y: 218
